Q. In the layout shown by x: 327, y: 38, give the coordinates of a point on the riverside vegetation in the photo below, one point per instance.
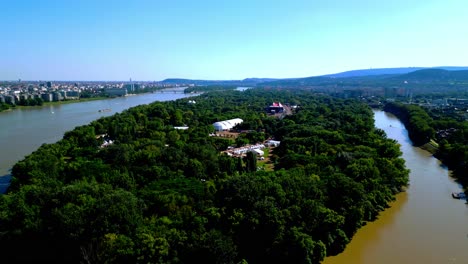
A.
x: 161, y: 195
x: 450, y: 132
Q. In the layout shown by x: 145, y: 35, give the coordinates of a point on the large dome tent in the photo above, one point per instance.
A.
x: 227, y: 124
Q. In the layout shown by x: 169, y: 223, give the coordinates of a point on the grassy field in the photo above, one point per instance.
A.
x: 266, y: 164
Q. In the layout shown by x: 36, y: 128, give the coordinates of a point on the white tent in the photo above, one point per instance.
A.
x: 258, y: 152
x: 227, y: 124
x: 273, y: 143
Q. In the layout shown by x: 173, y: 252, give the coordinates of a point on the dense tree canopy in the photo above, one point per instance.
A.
x: 208, y: 88
x: 416, y: 120
x: 451, y: 134
x: 161, y: 195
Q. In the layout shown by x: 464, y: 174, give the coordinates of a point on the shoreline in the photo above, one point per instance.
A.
x: 55, y: 103
x: 67, y: 102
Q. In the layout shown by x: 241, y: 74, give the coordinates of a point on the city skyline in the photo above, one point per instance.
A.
x: 155, y: 40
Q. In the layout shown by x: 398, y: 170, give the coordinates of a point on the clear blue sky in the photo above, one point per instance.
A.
x: 215, y: 39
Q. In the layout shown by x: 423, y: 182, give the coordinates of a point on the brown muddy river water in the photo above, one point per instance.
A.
x: 424, y: 225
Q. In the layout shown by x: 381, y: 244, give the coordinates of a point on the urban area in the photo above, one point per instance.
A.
x: 32, y: 92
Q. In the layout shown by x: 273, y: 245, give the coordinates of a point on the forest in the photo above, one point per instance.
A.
x: 447, y: 130
x: 163, y: 195
x: 416, y: 120
x: 208, y: 88
x: 424, y: 81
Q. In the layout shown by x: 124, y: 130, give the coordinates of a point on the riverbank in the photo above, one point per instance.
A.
x: 81, y: 100
x: 73, y: 101
x: 431, y: 146
x: 26, y: 128
x: 425, y: 129
x: 424, y: 224
x: 78, y: 100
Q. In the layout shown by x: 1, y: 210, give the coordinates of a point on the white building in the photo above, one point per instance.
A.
x: 272, y: 143
x: 227, y: 124
x: 259, y: 152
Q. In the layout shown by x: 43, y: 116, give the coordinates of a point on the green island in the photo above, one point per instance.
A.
x: 135, y: 188
x: 208, y: 88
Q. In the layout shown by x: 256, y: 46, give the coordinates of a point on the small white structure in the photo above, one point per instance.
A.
x: 258, y: 152
x: 227, y: 124
x: 181, y: 127
x: 107, y: 143
x: 243, y: 150
x: 272, y: 143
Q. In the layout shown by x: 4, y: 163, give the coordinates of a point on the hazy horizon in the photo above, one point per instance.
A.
x: 198, y: 79
x: 212, y: 40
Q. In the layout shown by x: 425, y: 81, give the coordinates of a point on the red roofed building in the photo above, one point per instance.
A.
x: 275, y: 107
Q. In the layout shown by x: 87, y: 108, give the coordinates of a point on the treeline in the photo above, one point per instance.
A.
x: 161, y: 195
x: 426, y: 81
x: 4, y: 106
x: 416, y: 120
x: 208, y: 88
x: 31, y: 102
x: 450, y: 133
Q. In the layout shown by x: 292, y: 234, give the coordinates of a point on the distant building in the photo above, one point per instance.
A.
x: 457, y: 102
x: 24, y: 97
x: 47, y: 97
x: 272, y: 143
x: 2, y: 99
x: 57, y: 96
x: 73, y: 94
x: 116, y: 91
x: 439, y: 102
x: 10, y: 99
x: 274, y: 108
x: 227, y: 124
x: 129, y: 87
x: 391, y: 92
x: 259, y: 152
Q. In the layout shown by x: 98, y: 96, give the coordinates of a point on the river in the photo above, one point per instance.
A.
x: 23, y: 130
x: 424, y: 225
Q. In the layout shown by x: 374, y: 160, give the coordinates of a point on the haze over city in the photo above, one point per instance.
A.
x: 154, y: 40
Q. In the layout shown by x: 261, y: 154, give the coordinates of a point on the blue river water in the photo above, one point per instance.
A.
x: 23, y: 130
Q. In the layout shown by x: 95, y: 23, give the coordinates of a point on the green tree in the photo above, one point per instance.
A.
x: 251, y: 162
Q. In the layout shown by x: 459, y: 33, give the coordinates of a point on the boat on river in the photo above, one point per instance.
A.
x: 105, y: 110
x: 458, y: 195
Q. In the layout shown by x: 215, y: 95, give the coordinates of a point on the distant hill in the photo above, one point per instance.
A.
x: 370, y: 72
x: 381, y: 77
x: 387, y: 71
x: 434, y: 76
x: 355, y: 77
x: 258, y: 80
x: 244, y: 82
x: 196, y: 82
